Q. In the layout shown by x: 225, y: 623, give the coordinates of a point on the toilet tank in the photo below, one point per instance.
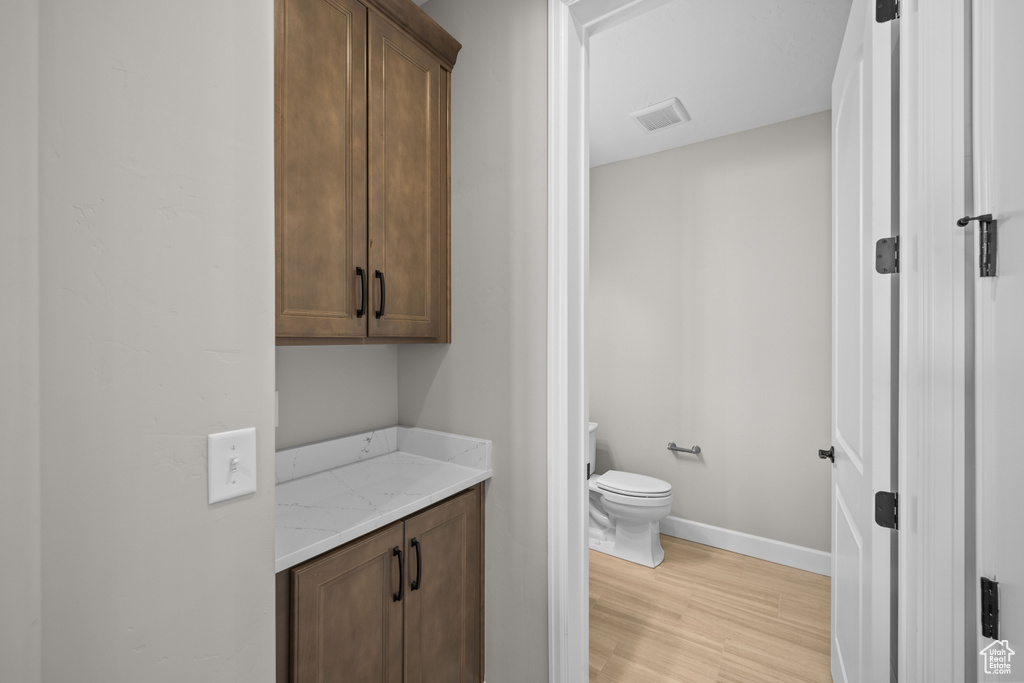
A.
x: 592, y: 447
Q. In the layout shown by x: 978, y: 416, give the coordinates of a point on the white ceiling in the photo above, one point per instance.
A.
x: 734, y: 64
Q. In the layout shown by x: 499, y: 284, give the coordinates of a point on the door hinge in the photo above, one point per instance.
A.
x: 986, y: 242
x: 887, y: 255
x: 886, y: 10
x: 886, y: 509
x: 588, y: 470
x: 990, y: 608
x: 987, y: 250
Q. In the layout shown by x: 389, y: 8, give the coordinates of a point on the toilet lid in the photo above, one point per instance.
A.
x: 630, y: 484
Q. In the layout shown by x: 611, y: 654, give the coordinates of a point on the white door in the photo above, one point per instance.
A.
x: 863, y: 378
x: 999, y: 190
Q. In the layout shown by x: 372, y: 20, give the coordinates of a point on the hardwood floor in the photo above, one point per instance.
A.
x: 706, y: 615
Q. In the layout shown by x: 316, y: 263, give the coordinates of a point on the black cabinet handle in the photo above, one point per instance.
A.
x: 380, y: 276
x: 415, y: 585
x: 401, y: 574
x: 361, y: 311
x: 830, y: 454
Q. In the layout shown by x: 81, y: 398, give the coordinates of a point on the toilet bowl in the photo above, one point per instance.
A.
x: 625, y: 511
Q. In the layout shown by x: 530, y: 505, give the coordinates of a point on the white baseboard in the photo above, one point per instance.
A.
x: 788, y: 554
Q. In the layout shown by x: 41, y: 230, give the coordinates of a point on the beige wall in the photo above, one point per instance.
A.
x: 20, y: 526
x: 491, y: 381
x: 157, y: 328
x: 710, y: 324
x: 329, y: 391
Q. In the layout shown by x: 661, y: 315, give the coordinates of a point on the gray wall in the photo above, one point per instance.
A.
x: 157, y: 328
x: 329, y: 391
x: 20, y: 526
x: 710, y: 324
x: 155, y: 299
x: 491, y: 381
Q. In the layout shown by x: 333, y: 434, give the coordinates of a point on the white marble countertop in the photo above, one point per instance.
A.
x: 326, y: 509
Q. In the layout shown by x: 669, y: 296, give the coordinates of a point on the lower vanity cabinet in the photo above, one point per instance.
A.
x: 347, y: 613
x: 402, y: 604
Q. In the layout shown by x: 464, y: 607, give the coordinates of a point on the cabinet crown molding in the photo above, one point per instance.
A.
x: 419, y: 25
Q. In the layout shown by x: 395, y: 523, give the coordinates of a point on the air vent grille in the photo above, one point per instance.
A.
x: 661, y: 116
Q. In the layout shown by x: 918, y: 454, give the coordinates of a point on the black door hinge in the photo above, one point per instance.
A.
x: 588, y: 470
x: 986, y: 242
x: 886, y: 510
x: 990, y: 608
x: 886, y: 10
x: 887, y: 255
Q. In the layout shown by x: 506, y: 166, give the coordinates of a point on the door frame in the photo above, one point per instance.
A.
x: 567, y: 395
x: 933, y: 358
x: 571, y: 23
x: 933, y: 335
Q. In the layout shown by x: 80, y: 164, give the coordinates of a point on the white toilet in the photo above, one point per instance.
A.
x: 625, y: 510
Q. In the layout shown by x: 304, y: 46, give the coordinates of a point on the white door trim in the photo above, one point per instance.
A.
x: 568, y: 589
x: 570, y: 25
x: 933, y: 342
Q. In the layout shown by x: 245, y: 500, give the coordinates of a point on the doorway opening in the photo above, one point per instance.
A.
x: 571, y: 90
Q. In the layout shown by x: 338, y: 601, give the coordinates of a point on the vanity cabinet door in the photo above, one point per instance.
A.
x: 320, y: 168
x: 347, y: 624
x: 408, y: 240
x: 443, y: 613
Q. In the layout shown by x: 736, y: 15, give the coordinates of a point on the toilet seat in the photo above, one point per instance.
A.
x: 633, y: 490
x: 633, y: 485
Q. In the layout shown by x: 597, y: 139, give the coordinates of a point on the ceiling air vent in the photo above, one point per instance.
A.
x: 661, y: 116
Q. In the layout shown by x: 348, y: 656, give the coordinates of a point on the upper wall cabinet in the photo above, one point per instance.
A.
x: 361, y: 172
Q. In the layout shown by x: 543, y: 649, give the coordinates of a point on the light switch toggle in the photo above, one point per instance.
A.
x: 231, y: 464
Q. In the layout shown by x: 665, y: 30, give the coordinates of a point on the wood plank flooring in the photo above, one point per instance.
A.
x: 706, y: 615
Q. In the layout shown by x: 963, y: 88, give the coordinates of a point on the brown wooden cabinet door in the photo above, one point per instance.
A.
x: 443, y: 614
x: 320, y: 166
x: 408, y: 240
x: 347, y: 626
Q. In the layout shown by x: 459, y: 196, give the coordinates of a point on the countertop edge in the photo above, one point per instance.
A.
x: 298, y: 557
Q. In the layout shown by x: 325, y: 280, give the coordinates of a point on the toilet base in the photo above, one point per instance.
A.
x: 639, y: 543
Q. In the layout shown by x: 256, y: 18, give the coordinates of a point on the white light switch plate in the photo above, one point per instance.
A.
x: 231, y: 464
